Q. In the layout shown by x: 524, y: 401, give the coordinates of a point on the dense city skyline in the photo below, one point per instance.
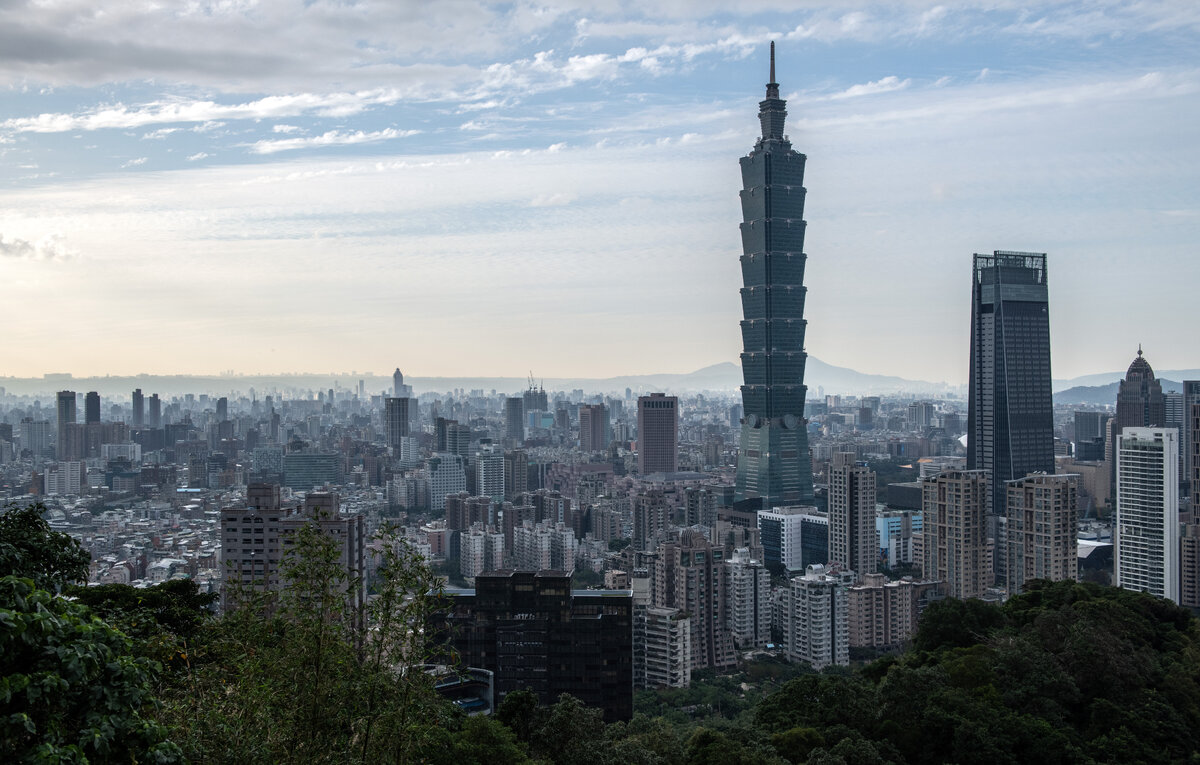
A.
x: 516, y: 190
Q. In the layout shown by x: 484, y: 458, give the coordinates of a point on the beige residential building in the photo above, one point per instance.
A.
x: 1043, y: 526
x: 883, y: 613
x: 954, y: 531
x: 853, y: 542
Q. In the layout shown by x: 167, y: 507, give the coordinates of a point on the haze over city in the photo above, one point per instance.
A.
x: 472, y: 188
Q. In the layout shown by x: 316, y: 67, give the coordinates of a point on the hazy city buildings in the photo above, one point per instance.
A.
x: 884, y: 614
x: 658, y: 434
x: 1010, y: 415
x: 1146, y: 535
x: 773, y: 457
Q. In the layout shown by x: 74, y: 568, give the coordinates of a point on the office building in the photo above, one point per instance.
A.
x: 651, y: 518
x: 139, y: 408
x: 593, y: 427
x: 396, y: 421
x: 1140, y: 402
x: 852, y: 539
x: 816, y: 619
x: 1146, y: 533
x: 534, y: 632
x: 954, y: 531
x: 773, y: 457
x: 91, y: 407
x: 658, y: 434
x: 1010, y: 414
x: 514, y: 420
x: 399, y: 389
x: 156, y: 420
x: 66, y: 416
x: 899, y: 534
x: 1043, y: 524
x: 793, y: 538
x: 305, y: 471
x: 1090, y: 430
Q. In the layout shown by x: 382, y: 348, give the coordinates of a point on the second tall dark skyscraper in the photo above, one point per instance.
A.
x: 1010, y: 420
x: 773, y: 461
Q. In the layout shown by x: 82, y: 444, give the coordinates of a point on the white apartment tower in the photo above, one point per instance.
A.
x: 1147, y: 531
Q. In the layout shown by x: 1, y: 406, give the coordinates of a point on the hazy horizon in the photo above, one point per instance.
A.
x: 486, y: 190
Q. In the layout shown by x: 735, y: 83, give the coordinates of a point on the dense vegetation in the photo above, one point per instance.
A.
x: 1065, y: 673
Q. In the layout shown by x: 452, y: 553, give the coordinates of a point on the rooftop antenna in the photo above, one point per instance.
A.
x: 772, y: 62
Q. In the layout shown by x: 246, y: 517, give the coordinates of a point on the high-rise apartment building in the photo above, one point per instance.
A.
x: 1191, y: 439
x: 749, y: 612
x: 1146, y: 535
x: 514, y: 420
x: 773, y: 458
x: 954, y: 531
x: 816, y: 618
x: 690, y: 575
x: 852, y: 538
x: 255, y: 542
x: 489, y: 472
x: 593, y: 427
x: 884, y: 614
x: 139, y: 408
x: 1043, y: 526
x: 658, y: 434
x: 1010, y: 415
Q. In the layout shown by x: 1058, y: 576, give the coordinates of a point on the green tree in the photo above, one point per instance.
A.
x: 71, y: 689
x: 30, y: 548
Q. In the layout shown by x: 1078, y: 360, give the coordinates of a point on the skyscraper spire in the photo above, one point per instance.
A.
x: 772, y: 111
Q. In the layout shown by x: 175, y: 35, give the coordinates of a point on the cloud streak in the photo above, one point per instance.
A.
x: 331, y: 138
x: 51, y: 247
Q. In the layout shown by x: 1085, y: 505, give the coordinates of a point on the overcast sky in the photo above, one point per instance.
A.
x: 469, y: 188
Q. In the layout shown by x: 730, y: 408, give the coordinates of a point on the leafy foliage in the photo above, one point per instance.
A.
x: 70, y: 688
x: 30, y: 548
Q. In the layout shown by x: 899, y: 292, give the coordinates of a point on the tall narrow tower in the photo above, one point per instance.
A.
x: 773, y: 461
x: 1010, y: 416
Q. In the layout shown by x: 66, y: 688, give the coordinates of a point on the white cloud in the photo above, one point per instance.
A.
x: 286, y: 128
x: 198, y: 156
x: 331, y: 138
x: 208, y: 113
x: 51, y: 247
x: 135, y: 162
x: 885, y: 85
x: 552, y: 200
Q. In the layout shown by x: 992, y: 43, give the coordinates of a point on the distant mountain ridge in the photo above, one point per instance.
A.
x: 722, y: 377
x: 1099, y: 395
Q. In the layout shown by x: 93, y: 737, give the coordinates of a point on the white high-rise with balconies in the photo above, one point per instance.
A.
x: 1146, y: 535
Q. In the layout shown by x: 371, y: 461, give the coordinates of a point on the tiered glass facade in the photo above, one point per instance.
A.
x: 773, y: 462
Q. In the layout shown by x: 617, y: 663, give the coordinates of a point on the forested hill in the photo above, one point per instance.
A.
x: 1066, y: 673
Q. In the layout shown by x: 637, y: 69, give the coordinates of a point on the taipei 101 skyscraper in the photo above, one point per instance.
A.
x: 773, y: 462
